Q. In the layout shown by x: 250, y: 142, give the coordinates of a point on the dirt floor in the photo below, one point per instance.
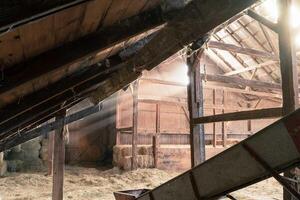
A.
x: 92, y: 184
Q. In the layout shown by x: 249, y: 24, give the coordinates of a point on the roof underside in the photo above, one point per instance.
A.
x: 96, y: 47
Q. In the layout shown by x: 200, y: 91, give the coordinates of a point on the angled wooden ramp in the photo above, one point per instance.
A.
x: 278, y: 145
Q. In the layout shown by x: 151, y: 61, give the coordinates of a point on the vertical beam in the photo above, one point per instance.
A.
x: 289, y: 72
x: 135, y: 86
x: 249, y: 123
x: 195, y: 104
x: 288, y: 67
x: 224, y: 134
x: 58, y: 160
x: 156, y: 136
x: 118, y: 118
x: 50, y: 153
x: 214, y: 124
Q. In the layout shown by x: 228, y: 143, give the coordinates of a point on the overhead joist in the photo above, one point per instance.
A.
x: 242, y: 115
x: 241, y: 82
x: 242, y: 50
x: 242, y: 70
x: 84, y: 52
x: 193, y: 22
x: 16, y: 116
x: 263, y: 20
x: 40, y: 15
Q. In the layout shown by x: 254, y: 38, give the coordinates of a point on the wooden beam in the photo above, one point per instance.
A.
x: 135, y: 86
x: 289, y: 71
x: 239, y: 71
x: 58, y: 161
x: 224, y: 132
x: 81, y: 53
x: 195, y: 105
x: 241, y: 82
x: 263, y: 20
x: 242, y: 50
x: 57, y: 124
x: 214, y: 141
x: 189, y: 25
x: 242, y: 91
x: 156, y: 136
x: 50, y: 153
x: 243, y: 115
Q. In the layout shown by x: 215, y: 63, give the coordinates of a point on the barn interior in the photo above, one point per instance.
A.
x: 187, y: 99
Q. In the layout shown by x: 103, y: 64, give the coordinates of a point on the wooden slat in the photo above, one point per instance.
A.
x: 37, y: 37
x: 241, y: 82
x: 95, y: 11
x: 67, y: 24
x: 195, y: 105
x: 241, y: 50
x: 11, y: 49
x: 243, y: 115
x: 58, y: 162
x: 135, y: 86
x: 263, y: 20
x: 288, y: 69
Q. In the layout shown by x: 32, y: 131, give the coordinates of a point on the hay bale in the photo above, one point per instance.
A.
x: 3, y: 168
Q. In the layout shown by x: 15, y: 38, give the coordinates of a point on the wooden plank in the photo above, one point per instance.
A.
x: 263, y: 20
x: 288, y: 69
x: 50, y: 153
x: 195, y: 106
x: 241, y: 91
x: 280, y: 139
x: 135, y: 87
x: 58, y: 161
x: 116, y: 11
x: 224, y: 133
x: 214, y: 141
x: 67, y: 24
x: 57, y: 64
x: 11, y: 50
x: 37, y: 37
x: 95, y: 11
x: 243, y: 115
x: 241, y: 50
x: 241, y: 82
x: 185, y: 28
x: 239, y: 71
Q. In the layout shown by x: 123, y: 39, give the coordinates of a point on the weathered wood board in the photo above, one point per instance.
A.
x: 278, y: 144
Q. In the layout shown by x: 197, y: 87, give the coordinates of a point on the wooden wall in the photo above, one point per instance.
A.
x: 92, y: 139
x: 174, y: 122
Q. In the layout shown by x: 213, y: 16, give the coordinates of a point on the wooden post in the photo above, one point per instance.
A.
x: 289, y: 72
x: 249, y: 122
x: 195, y: 104
x: 118, y: 110
x: 50, y: 153
x: 156, y: 144
x: 58, y: 160
x: 224, y: 134
x: 135, y: 86
x: 156, y: 136
x: 214, y: 124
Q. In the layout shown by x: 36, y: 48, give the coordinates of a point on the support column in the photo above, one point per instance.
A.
x: 214, y: 124
x: 135, y: 86
x: 156, y: 136
x: 195, y: 104
x: 224, y: 134
x: 50, y: 153
x: 289, y: 72
x: 58, y: 160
